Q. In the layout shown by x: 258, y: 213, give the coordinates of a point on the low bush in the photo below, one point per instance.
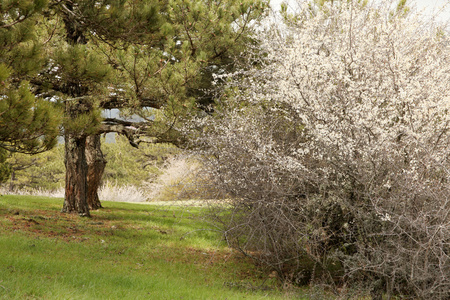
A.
x: 180, y: 179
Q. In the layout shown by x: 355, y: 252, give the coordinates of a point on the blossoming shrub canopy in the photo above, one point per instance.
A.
x: 336, y: 144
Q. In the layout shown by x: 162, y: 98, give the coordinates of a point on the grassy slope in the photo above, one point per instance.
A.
x: 125, y: 251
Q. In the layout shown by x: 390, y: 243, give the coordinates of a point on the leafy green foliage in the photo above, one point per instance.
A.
x: 28, y: 124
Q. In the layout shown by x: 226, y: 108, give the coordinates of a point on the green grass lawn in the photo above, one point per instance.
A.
x: 125, y: 251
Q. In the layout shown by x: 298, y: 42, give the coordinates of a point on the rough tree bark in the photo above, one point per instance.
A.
x: 75, y: 200
x: 96, y: 166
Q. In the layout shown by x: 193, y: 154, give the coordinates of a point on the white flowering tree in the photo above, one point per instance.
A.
x: 334, y: 150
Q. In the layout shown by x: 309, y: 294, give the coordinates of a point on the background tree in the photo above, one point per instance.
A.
x: 127, y: 166
x: 334, y: 151
x: 40, y: 172
x: 5, y: 169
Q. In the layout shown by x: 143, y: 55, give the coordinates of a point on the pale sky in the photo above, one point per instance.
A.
x: 430, y: 3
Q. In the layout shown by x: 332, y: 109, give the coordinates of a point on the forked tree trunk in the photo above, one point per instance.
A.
x: 76, y: 176
x: 96, y: 166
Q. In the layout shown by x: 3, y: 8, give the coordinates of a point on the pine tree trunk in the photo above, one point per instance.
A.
x: 75, y: 143
x: 96, y: 166
x: 76, y: 176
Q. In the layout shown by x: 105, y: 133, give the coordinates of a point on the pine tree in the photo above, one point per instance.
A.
x: 151, y: 58
x: 28, y: 124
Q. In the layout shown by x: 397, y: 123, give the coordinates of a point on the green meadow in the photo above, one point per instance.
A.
x: 125, y: 251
